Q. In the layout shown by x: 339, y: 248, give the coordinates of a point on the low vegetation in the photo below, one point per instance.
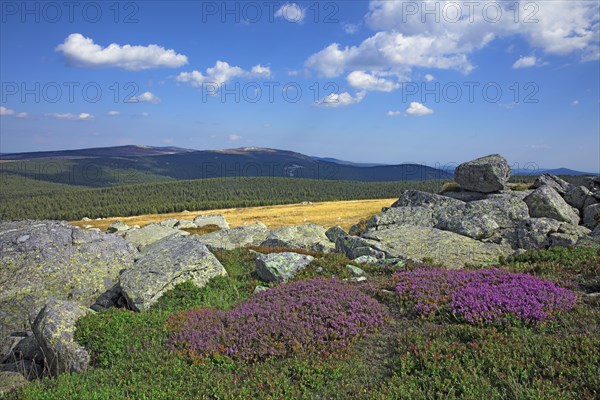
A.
x: 261, y: 347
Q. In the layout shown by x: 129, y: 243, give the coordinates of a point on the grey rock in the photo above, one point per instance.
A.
x: 217, y: 219
x: 117, y: 226
x: 474, y: 226
x: 416, y: 198
x: 450, y: 249
x: 113, y: 297
x: 580, y: 197
x: 366, y: 260
x: 57, y: 260
x: 54, y: 329
x: 229, y: 239
x: 143, y: 237
x: 280, y: 267
x: 86, y: 219
x: 465, y: 195
x: 165, y: 264
x: 28, y: 369
x: 354, y: 247
x: 553, y: 181
x: 356, y: 230
x: 355, y: 270
x: 562, y: 240
x: 486, y: 175
x: 169, y: 222
x: 546, y: 202
x: 185, y: 224
x: 334, y: 233
x: 506, y: 210
x: 410, y: 215
x: 593, y: 183
x: 259, y: 289
x: 357, y: 279
x: 305, y: 237
x: 590, y: 216
x: 27, y: 349
x: 533, y: 233
x: 10, y: 381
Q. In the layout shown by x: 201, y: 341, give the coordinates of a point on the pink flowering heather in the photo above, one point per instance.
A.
x: 312, y: 316
x: 487, y: 296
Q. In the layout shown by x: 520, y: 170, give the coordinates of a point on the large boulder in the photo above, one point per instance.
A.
x: 442, y: 208
x: 10, y: 381
x: 229, y: 239
x: 448, y: 248
x: 478, y: 227
x: 117, y: 226
x: 143, y: 237
x: 593, y: 183
x: 546, y: 202
x: 553, y: 181
x: 185, y: 224
x: 334, y: 233
x: 354, y: 247
x: 205, y: 220
x: 54, y: 329
x: 507, y: 210
x: 533, y: 233
x: 591, y: 216
x: 44, y: 259
x: 280, y: 267
x: 305, y: 237
x: 486, y: 175
x: 580, y: 197
x: 169, y: 222
x: 410, y: 215
x: 163, y: 265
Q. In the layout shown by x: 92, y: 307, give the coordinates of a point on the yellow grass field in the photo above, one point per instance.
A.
x: 343, y: 213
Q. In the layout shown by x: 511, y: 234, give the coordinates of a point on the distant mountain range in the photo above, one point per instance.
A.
x: 126, y: 164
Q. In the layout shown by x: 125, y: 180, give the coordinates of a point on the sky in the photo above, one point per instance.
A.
x: 433, y: 82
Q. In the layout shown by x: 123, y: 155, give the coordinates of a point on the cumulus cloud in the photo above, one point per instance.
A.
x: 6, y: 111
x: 291, y: 12
x: 343, y: 99
x: 233, y: 137
x: 221, y: 73
x: 81, y: 51
x: 418, y: 109
x: 429, y: 77
x: 373, y: 81
x: 575, y: 103
x: 70, y: 116
x: 146, y: 97
x: 351, y: 28
x: 393, y: 113
x: 526, y: 62
x: 405, y: 40
x: 113, y: 113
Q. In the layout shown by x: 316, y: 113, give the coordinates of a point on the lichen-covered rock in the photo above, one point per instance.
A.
x: 474, y: 226
x: 217, y: 219
x: 465, y: 195
x: 10, y: 381
x: 280, y: 267
x: 43, y: 259
x: 533, y: 233
x: 593, y: 183
x: 143, y: 237
x: 546, y: 202
x: 117, y: 226
x: 366, y: 260
x: 486, y: 175
x: 354, y: 247
x: 410, y: 215
x: 416, y: 198
x: 305, y: 237
x: 241, y: 236
x: 185, y: 224
x: 450, y: 249
x: 355, y: 270
x: 54, y: 329
x: 169, y: 222
x: 334, y: 233
x: 165, y: 264
x: 591, y: 216
x: 580, y: 197
x: 554, y: 182
x: 506, y: 210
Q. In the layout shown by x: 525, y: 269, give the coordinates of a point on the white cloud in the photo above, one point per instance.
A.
x: 526, y: 62
x: 113, y: 113
x: 291, y: 12
x: 365, y: 81
x: 22, y: 114
x: 351, y: 28
x: 429, y: 77
x: 575, y: 103
x: 418, y: 109
x: 146, y: 97
x: 408, y: 40
x: 83, y: 52
x: 144, y: 114
x: 70, y: 116
x: 221, y: 73
x: 233, y: 137
x: 6, y: 111
x: 343, y: 99
x: 393, y: 113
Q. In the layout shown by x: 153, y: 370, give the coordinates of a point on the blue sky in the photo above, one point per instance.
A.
x: 432, y: 82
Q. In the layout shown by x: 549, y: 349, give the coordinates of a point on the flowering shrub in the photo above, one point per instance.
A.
x: 312, y: 316
x: 487, y: 296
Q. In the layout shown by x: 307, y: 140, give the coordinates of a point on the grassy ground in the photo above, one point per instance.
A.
x: 343, y: 213
x: 412, y: 358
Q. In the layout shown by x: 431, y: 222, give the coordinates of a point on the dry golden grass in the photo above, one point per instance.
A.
x: 343, y: 213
